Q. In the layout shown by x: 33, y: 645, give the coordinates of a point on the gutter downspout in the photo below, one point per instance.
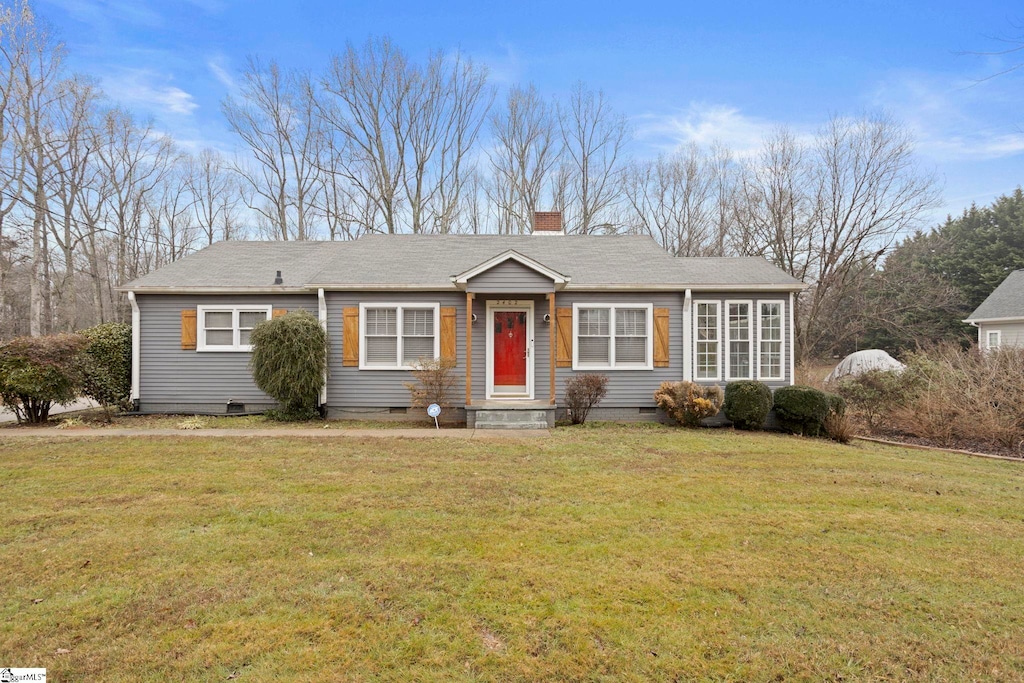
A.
x: 322, y: 315
x: 687, y: 333
x: 136, y: 348
x: 792, y: 340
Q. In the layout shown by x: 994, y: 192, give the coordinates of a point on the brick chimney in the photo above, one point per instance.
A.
x: 547, y: 223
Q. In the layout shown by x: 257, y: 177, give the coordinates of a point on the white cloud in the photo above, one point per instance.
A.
x: 101, y: 14
x: 704, y: 124
x: 148, y: 91
x: 956, y: 119
x: 218, y: 66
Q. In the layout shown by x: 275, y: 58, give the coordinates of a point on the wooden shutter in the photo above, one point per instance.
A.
x: 563, y: 358
x: 661, y: 328
x: 448, y: 332
x: 188, y: 329
x: 350, y: 337
x: 278, y: 312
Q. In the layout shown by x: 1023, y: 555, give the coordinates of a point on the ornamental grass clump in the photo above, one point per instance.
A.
x: 747, y: 404
x: 688, y: 403
x: 289, y: 362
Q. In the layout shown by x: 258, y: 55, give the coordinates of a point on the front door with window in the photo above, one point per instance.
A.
x: 509, y: 352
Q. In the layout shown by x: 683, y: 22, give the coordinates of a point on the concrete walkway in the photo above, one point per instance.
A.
x: 80, y: 404
x: 86, y: 432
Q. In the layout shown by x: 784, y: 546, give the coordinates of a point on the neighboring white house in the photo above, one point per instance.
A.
x: 1000, y: 317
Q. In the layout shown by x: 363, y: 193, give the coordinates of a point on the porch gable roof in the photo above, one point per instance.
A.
x: 462, y: 279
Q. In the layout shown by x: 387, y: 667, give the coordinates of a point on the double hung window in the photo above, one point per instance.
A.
x: 227, y: 328
x: 395, y: 336
x: 613, y: 337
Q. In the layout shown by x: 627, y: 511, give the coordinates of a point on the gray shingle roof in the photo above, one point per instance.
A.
x: 1006, y: 301
x: 245, y: 265
x: 429, y: 261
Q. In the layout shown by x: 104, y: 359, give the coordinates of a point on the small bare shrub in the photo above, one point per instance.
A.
x: 583, y: 392
x: 688, y: 403
x: 435, y: 380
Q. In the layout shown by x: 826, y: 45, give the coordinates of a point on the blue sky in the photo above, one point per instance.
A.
x: 680, y: 71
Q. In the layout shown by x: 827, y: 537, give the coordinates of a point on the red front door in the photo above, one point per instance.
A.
x: 509, y: 351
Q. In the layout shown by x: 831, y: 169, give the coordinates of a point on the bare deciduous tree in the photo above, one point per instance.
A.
x: 673, y: 201
x: 278, y: 123
x: 594, y: 137
x: 215, y: 194
x: 525, y: 149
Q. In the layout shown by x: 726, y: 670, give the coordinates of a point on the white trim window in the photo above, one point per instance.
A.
x: 227, y: 328
x: 993, y: 338
x: 739, y: 340
x: 706, y: 340
x: 613, y: 337
x: 771, y: 340
x: 393, y: 336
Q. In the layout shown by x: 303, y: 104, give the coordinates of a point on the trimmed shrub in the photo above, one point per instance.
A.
x: 37, y: 372
x: 107, y: 365
x: 802, y: 410
x: 289, y: 361
x: 747, y: 404
x: 688, y: 403
x: 583, y: 392
x: 434, y: 383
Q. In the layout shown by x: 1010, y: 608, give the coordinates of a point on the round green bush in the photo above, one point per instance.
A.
x: 107, y: 364
x: 801, y: 410
x: 747, y: 404
x: 289, y: 361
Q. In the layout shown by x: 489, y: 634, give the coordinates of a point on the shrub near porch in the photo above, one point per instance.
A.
x: 639, y: 553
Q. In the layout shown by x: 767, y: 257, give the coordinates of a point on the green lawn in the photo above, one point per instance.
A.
x: 598, y: 554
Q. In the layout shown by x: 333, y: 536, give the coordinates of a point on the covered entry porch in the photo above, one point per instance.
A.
x: 510, y: 335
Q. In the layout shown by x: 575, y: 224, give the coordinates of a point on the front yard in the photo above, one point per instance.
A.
x: 612, y: 553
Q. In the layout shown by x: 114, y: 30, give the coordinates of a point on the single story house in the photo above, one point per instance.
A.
x: 519, y: 314
x: 1000, y: 317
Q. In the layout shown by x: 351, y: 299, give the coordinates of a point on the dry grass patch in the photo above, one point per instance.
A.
x: 598, y: 554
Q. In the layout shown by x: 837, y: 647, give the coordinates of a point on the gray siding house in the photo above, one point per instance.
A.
x: 519, y: 314
x: 1000, y: 317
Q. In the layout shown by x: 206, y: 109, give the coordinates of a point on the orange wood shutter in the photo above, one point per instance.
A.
x: 661, y: 337
x: 278, y: 312
x: 350, y: 337
x: 188, y: 330
x: 563, y: 358
x: 448, y: 332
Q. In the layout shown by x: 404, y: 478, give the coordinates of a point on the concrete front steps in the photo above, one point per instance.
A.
x: 510, y: 415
